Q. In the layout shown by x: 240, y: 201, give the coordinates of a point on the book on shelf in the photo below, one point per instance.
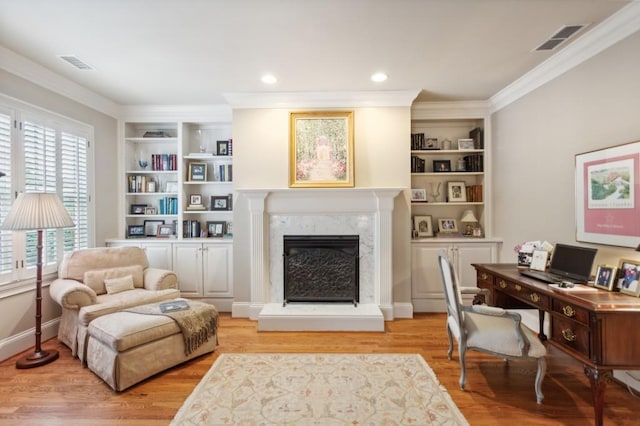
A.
x: 417, y: 164
x: 196, y: 207
x: 225, y: 172
x: 164, y: 162
x: 156, y: 134
x: 200, y: 154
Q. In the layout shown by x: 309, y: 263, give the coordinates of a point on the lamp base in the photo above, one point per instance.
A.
x: 37, y: 359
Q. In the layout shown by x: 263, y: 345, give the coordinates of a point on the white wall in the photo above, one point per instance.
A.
x: 18, y: 311
x: 593, y: 106
x: 381, y: 155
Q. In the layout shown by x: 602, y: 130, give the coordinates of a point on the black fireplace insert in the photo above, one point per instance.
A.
x: 321, y: 268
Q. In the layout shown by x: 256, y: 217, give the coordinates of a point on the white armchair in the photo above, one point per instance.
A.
x: 488, y: 329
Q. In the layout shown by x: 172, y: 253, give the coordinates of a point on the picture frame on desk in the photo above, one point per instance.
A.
x: 441, y: 166
x: 423, y: 226
x: 628, y: 275
x: 605, y: 277
x: 456, y: 192
x: 607, y: 210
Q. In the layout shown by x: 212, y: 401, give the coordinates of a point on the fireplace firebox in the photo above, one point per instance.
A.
x: 321, y: 268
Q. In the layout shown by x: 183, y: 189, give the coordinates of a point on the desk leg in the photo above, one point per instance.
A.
x: 598, y: 380
x: 541, y: 334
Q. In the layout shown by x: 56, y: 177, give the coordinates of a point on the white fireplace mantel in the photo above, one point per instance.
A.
x: 373, y: 207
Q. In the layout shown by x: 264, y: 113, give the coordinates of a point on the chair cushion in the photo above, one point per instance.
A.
x: 125, y: 330
x: 95, y: 278
x: 498, y: 335
x: 117, y: 285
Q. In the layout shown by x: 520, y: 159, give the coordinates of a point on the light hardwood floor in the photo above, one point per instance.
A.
x: 64, y: 393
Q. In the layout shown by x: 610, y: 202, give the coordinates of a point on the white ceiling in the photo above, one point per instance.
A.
x: 191, y: 52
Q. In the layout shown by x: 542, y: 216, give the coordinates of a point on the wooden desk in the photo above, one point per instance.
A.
x: 601, y: 329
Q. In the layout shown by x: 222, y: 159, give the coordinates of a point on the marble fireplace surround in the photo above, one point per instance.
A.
x: 366, y: 212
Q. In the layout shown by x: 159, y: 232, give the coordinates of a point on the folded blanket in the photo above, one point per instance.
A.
x: 197, y: 324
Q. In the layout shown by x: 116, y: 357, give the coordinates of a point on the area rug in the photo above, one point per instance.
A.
x: 319, y: 389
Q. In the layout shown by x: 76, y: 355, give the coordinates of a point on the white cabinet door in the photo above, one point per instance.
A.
x: 187, y: 261
x: 426, y: 282
x: 217, y: 270
x: 466, y: 255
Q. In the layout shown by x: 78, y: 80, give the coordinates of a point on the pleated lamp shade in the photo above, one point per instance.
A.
x: 37, y: 210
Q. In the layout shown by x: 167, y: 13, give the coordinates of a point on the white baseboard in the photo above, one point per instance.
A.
x: 20, y: 342
x: 240, y: 310
x: 403, y: 310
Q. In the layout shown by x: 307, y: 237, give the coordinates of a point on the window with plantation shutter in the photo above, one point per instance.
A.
x: 6, y: 240
x: 42, y: 152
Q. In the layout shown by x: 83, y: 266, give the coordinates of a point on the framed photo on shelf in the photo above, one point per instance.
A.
x: 448, y: 226
x: 151, y: 227
x: 423, y: 226
x: 628, y: 272
x: 164, y: 231
x: 605, y: 277
x: 222, y: 148
x: 441, y: 166
x: 431, y: 143
x: 151, y: 186
x: 220, y: 202
x: 228, y: 229
x: 137, y: 208
x: 197, y: 172
x: 195, y: 200
x: 456, y: 192
x: 171, y: 187
x: 215, y: 229
x: 135, y: 231
x: 321, y: 149
x: 607, y: 194
x: 150, y: 211
x: 418, y: 195
x: 466, y: 144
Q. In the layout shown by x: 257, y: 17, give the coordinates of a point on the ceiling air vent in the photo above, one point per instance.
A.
x: 76, y: 62
x: 560, y: 36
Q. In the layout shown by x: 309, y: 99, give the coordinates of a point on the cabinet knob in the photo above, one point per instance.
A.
x: 568, y: 311
x: 502, y: 284
x: 568, y: 335
x: 534, y: 297
x: 484, y: 276
x: 518, y: 287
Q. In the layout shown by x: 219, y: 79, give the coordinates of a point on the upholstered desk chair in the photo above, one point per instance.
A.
x: 488, y: 329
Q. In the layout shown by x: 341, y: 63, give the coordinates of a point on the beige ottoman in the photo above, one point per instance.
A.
x: 125, y: 348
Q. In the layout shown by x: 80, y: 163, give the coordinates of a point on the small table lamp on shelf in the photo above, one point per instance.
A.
x: 469, y: 219
x: 37, y: 211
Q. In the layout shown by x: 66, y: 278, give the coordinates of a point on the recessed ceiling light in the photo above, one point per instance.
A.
x: 269, y: 79
x: 379, y: 77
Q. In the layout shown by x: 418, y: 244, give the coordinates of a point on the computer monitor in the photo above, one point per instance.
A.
x: 572, y: 262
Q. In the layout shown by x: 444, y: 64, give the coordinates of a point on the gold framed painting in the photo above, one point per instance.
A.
x: 321, y: 149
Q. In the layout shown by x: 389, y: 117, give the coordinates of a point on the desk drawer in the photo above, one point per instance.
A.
x: 571, y: 335
x: 568, y: 310
x: 485, y: 280
x: 531, y: 297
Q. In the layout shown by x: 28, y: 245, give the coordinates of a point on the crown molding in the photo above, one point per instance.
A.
x: 36, y: 73
x: 194, y: 113
x: 610, y: 31
x: 293, y: 100
x: 450, y: 110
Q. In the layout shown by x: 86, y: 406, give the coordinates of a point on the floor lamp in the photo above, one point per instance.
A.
x: 37, y: 211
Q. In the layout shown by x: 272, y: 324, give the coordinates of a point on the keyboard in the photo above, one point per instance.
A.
x: 542, y: 276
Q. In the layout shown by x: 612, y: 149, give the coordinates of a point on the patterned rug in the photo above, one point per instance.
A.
x: 319, y: 389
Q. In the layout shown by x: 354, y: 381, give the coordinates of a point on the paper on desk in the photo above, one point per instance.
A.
x: 577, y: 288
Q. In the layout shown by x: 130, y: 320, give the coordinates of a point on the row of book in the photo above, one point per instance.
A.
x: 164, y: 162
x: 141, y: 183
x: 474, y: 163
x: 168, y: 205
x: 225, y: 172
x: 417, y: 141
x: 474, y: 193
x: 417, y: 164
